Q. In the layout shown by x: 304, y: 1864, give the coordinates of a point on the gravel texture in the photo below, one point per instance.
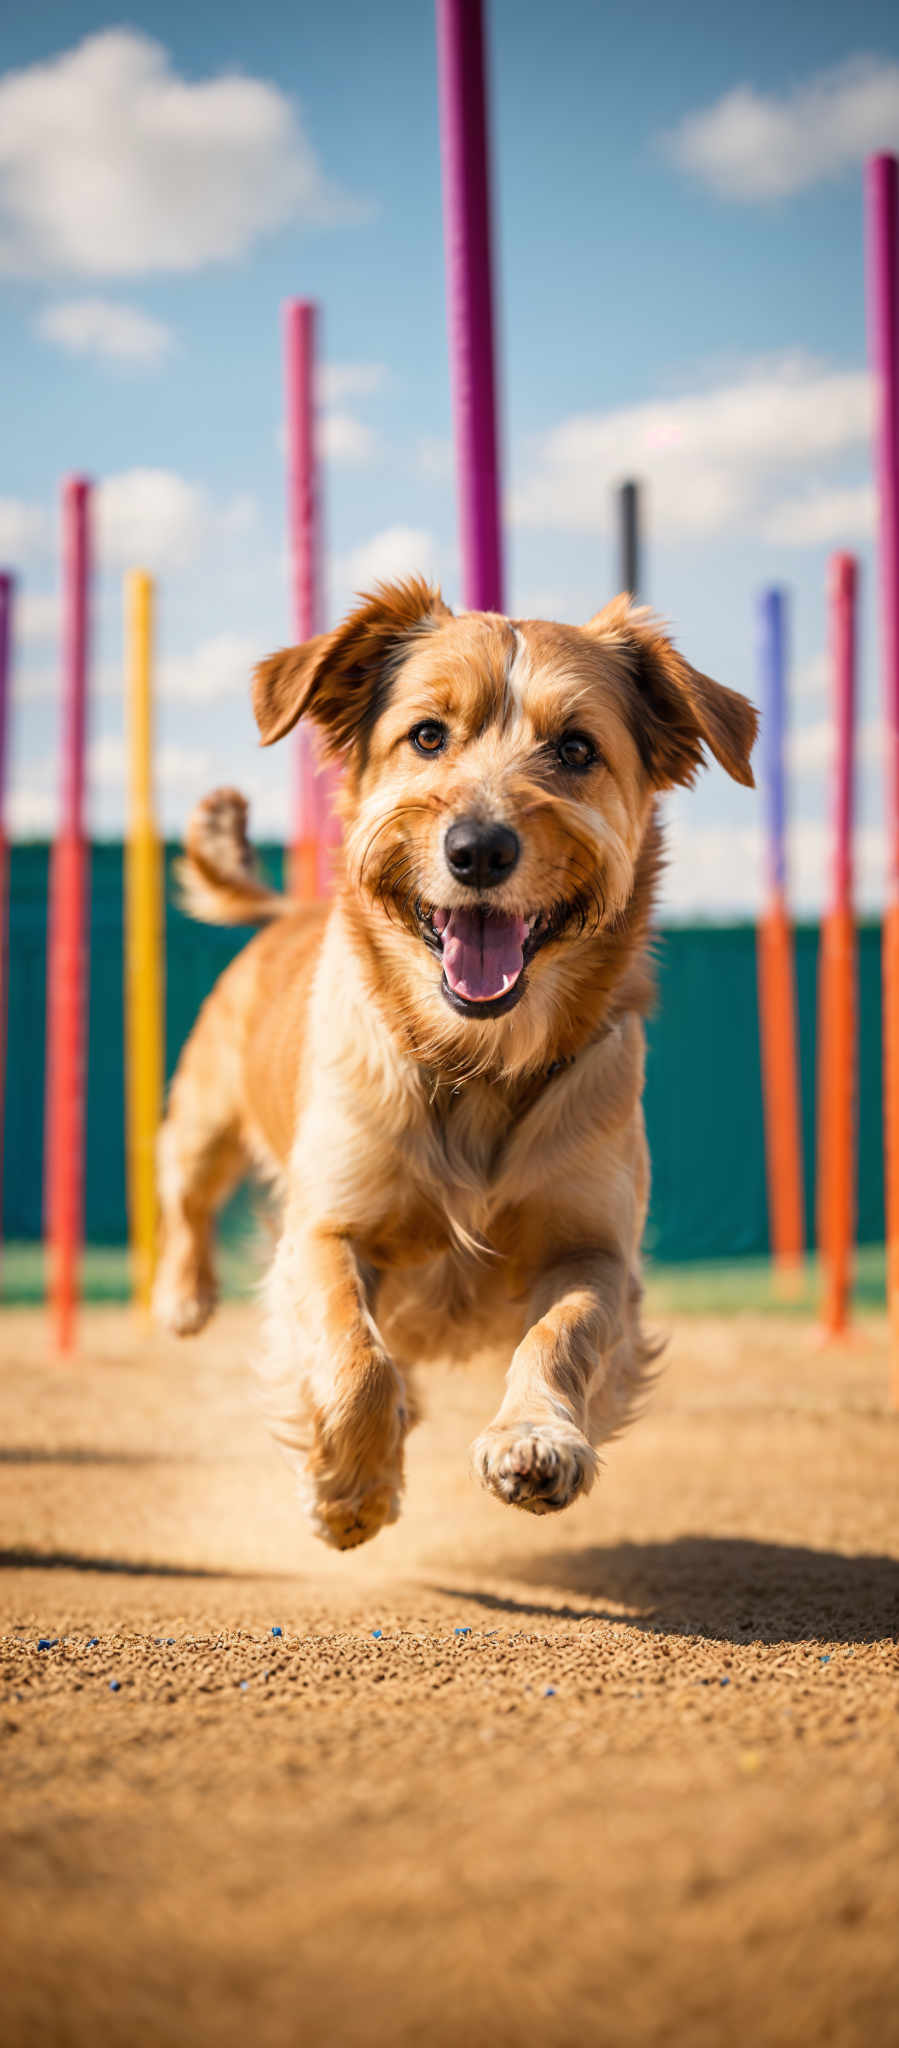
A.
x: 624, y: 1776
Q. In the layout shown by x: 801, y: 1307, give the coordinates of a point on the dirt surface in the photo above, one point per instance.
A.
x: 624, y: 1776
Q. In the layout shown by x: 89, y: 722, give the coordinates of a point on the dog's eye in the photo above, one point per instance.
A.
x: 429, y: 737
x: 576, y: 751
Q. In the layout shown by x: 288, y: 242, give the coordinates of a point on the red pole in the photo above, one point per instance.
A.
x: 883, y: 314
x: 836, y: 976
x: 7, y: 587
x: 67, y: 952
x: 314, y: 831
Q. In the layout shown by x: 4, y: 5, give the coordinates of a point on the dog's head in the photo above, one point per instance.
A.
x: 500, y: 778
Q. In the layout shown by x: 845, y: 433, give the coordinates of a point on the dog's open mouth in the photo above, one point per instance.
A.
x: 484, y: 954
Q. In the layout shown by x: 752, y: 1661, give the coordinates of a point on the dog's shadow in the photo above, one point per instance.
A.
x: 726, y: 1588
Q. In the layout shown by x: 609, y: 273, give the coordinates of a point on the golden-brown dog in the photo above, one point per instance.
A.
x: 443, y: 1071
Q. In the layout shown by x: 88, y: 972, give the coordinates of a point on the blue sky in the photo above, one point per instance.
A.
x: 680, y: 291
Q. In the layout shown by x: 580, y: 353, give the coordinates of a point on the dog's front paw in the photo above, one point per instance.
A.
x: 344, y: 1524
x: 540, y: 1466
x: 181, y: 1307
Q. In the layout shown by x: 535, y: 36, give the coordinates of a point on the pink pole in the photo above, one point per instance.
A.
x: 67, y: 953
x: 883, y: 315
x: 314, y: 831
x: 466, y: 233
x: 7, y: 587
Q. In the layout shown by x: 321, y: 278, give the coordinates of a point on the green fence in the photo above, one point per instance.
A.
x: 703, y: 1099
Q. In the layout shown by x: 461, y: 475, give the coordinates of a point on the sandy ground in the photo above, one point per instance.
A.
x: 625, y: 1776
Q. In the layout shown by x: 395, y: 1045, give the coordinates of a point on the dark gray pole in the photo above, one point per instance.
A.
x: 629, y: 537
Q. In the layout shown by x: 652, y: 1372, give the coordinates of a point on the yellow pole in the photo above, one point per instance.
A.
x: 143, y: 937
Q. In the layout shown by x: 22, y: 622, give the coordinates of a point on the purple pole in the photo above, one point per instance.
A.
x: 772, y: 663
x: 466, y: 233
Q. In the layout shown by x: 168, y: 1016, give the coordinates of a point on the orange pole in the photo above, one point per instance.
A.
x: 783, y: 1145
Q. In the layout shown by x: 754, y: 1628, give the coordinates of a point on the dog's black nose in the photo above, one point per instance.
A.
x: 479, y: 854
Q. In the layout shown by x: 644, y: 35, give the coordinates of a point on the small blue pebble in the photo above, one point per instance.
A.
x: 277, y: 1631
x: 550, y: 1692
x: 724, y: 1681
x: 170, y: 1639
x: 461, y: 1631
x: 115, y: 1685
x: 92, y: 1642
x: 245, y: 1685
x: 377, y: 1633
x: 47, y: 1642
x: 826, y: 1660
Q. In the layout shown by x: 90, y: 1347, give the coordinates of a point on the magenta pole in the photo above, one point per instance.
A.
x: 313, y: 831
x: 883, y: 311
x: 882, y: 221
x: 7, y: 587
x: 843, y: 608
x: 466, y: 233
x: 67, y: 948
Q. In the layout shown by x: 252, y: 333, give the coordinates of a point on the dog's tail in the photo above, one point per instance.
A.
x: 218, y: 877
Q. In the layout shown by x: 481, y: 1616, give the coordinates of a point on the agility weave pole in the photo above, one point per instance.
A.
x: 777, y: 991
x: 313, y: 830
x: 882, y: 253
x: 66, y: 944
x: 7, y: 591
x: 629, y: 549
x: 837, y: 1015
x: 469, y: 295
x: 144, y: 943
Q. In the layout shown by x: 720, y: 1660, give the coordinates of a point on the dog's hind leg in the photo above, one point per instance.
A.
x: 201, y: 1157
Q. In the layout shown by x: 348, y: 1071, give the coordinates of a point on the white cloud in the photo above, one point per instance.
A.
x: 340, y: 381
x: 816, y: 519
x: 398, y: 551
x: 155, y: 519
x: 36, y: 615
x: 31, y: 812
x: 811, y: 679
x: 112, y: 164
x: 177, y: 769
x: 712, y: 459
x: 717, y: 871
x: 101, y: 327
x: 434, y: 456
x: 750, y: 145
x: 24, y: 529
x: 345, y: 439
x: 219, y: 667
x: 810, y: 748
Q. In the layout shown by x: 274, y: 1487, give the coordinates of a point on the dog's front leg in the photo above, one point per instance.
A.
x: 536, y: 1454
x: 335, y: 1400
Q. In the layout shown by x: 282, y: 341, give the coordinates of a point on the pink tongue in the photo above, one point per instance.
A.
x: 482, y: 953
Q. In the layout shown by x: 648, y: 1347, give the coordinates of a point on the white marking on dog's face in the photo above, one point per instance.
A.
x: 518, y: 676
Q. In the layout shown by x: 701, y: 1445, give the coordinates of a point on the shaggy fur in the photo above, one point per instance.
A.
x: 452, y: 1164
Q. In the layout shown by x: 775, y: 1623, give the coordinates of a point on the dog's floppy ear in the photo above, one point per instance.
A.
x: 338, y: 677
x: 676, y: 711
